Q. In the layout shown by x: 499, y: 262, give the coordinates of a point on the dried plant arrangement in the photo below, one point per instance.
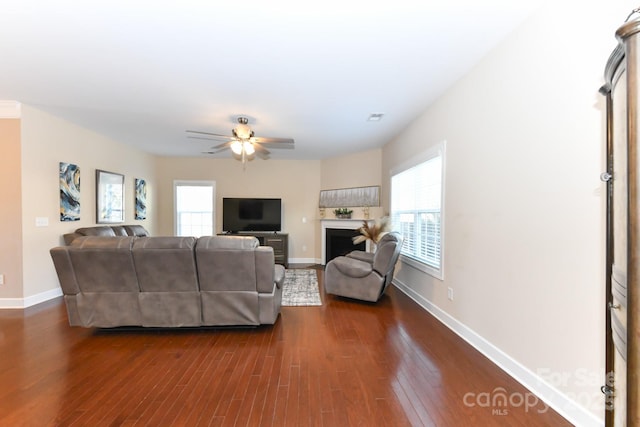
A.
x: 374, y: 231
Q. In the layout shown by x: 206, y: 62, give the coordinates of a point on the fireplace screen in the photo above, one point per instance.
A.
x: 339, y: 242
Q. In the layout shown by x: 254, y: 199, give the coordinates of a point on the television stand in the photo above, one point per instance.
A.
x: 278, y: 241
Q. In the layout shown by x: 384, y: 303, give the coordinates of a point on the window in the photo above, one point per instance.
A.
x: 417, y: 209
x: 194, y: 208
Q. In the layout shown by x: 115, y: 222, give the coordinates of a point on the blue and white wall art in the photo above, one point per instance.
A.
x: 141, y: 198
x: 69, y: 192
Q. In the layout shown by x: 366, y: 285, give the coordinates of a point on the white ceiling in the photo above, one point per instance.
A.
x: 142, y: 72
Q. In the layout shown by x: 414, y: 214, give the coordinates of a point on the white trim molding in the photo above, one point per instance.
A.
x: 344, y: 224
x: 304, y: 261
x: 553, y: 397
x: 10, y: 109
x: 30, y: 300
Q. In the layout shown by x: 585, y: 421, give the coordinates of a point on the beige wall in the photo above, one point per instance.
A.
x: 524, y: 245
x: 354, y: 170
x: 296, y: 182
x: 46, y: 141
x: 11, y: 212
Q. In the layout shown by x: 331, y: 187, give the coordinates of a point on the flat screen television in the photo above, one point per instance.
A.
x: 251, y: 214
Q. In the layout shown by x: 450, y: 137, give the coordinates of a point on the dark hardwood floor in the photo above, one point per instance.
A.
x: 345, y: 363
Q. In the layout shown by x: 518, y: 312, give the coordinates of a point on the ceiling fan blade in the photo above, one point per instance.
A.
x: 278, y: 145
x: 218, y: 148
x: 222, y: 146
x: 214, y: 151
x: 209, y: 135
x: 212, y: 138
x: 262, y: 152
x: 265, y: 140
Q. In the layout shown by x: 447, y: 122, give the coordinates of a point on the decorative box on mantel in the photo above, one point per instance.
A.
x: 345, y: 224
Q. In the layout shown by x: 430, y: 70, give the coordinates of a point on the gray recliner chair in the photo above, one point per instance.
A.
x: 362, y: 275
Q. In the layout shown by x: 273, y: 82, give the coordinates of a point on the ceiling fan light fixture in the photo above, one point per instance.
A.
x: 243, y: 144
x: 236, y: 147
x: 248, y: 148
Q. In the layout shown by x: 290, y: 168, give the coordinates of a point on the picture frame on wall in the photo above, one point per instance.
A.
x: 69, y: 177
x: 109, y: 197
x: 141, y: 199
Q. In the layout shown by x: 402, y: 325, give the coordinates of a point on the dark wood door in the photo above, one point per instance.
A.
x: 622, y: 90
x: 617, y: 299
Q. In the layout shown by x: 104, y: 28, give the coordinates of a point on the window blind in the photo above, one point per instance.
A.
x: 416, y: 209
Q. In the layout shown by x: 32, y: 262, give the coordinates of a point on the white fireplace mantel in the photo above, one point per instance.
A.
x: 345, y: 224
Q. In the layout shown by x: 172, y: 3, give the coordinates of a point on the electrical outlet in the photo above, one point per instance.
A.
x: 1, y: 279
x: 450, y: 294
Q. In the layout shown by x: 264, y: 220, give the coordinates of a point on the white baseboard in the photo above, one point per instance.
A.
x: 303, y: 261
x: 553, y: 397
x: 30, y: 300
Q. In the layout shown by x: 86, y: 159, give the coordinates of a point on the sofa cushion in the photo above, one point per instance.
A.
x: 96, y: 231
x: 135, y: 230
x: 104, y: 264
x: 226, y: 263
x: 165, y: 264
x: 119, y: 230
x: 228, y: 242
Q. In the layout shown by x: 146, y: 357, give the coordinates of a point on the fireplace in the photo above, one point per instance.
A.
x: 339, y: 241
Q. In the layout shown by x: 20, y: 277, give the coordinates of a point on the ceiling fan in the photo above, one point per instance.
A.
x: 243, y: 144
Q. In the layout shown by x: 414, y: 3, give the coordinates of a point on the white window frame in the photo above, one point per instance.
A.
x: 437, y: 150
x: 178, y: 183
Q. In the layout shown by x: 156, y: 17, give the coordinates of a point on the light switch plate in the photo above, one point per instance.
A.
x: 42, y: 221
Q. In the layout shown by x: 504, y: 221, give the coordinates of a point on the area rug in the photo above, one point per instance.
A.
x: 300, y: 288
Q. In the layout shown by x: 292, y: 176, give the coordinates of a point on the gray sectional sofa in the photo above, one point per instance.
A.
x: 111, y: 281
x: 106, y: 231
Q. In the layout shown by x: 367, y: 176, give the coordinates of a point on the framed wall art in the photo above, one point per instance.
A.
x: 141, y: 198
x: 109, y: 197
x: 69, y: 175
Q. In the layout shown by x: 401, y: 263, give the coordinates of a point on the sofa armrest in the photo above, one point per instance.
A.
x: 265, y: 271
x: 352, y: 267
x: 70, y: 237
x: 362, y: 256
x: 64, y: 269
x: 279, y: 275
